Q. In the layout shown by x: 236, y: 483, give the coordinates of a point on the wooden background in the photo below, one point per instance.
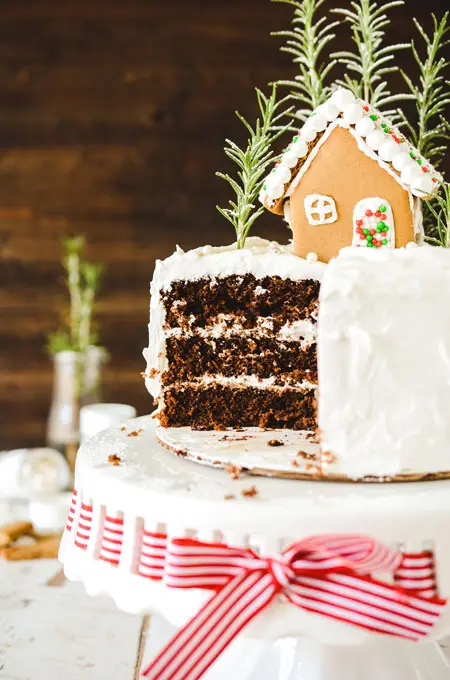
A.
x: 112, y: 120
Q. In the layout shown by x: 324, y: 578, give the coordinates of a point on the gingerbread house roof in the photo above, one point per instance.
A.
x: 375, y: 137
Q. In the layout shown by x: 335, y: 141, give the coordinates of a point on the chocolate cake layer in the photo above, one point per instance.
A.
x: 218, y: 407
x: 194, y: 356
x: 244, y: 296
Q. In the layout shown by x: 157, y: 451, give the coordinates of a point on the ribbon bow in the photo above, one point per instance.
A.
x: 327, y: 575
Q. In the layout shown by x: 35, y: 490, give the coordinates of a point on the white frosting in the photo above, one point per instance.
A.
x: 259, y: 257
x: 240, y: 382
x: 376, y: 137
x: 384, y: 360
x: 227, y: 325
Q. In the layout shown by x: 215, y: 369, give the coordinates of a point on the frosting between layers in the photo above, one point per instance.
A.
x: 243, y: 382
x: 384, y: 360
x: 260, y: 257
x: 302, y: 331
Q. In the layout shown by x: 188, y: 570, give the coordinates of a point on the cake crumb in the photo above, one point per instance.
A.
x: 153, y: 372
x: 114, y: 459
x: 143, y: 374
x: 123, y: 428
x: 295, y: 463
x: 230, y: 497
x: 250, y: 493
x: 275, y: 442
x: 233, y: 470
x: 328, y: 457
x: 313, y: 469
x: 306, y: 455
x: 312, y: 437
x: 135, y: 433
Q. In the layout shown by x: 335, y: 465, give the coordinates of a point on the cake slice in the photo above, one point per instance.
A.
x: 233, y: 338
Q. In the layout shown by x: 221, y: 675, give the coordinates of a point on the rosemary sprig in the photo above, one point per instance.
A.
x: 432, y: 95
x: 91, y: 274
x: 306, y: 42
x: 83, y: 278
x: 73, y: 247
x: 252, y: 162
x: 439, y: 209
x: 373, y: 60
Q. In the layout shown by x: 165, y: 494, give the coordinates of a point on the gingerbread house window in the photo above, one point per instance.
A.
x: 320, y: 209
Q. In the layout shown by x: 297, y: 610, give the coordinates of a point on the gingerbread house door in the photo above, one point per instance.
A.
x: 373, y: 224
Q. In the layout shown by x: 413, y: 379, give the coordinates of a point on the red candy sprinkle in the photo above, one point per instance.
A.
x: 359, y: 230
x: 366, y: 108
x: 425, y: 169
x: 369, y: 213
x: 379, y: 244
x: 378, y: 214
x: 359, y: 223
x: 383, y: 234
x: 373, y: 232
x: 363, y: 237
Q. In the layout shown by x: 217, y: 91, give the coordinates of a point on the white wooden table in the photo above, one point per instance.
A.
x: 51, y: 629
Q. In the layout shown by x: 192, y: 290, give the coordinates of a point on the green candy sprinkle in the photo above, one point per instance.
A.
x: 382, y: 208
x: 386, y: 228
x: 379, y: 229
x: 369, y: 237
x: 419, y: 161
x: 374, y: 117
x: 265, y: 187
x: 295, y: 138
x: 384, y: 241
x: 381, y: 225
x: 365, y: 231
x: 412, y: 156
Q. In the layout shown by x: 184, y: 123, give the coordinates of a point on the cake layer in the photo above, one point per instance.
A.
x: 232, y: 337
x: 265, y: 357
x: 220, y: 406
x: 244, y: 296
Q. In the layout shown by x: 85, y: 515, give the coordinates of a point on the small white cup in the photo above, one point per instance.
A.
x: 97, y: 417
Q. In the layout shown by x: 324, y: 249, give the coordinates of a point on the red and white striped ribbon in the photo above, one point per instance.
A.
x: 326, y: 575
x: 417, y: 572
x: 84, y: 526
x: 73, y: 505
x: 112, y: 539
x: 152, y: 555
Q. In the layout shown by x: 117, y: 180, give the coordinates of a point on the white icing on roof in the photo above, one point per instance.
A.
x: 375, y: 136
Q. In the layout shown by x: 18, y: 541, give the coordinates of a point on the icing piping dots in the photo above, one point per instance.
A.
x: 380, y: 136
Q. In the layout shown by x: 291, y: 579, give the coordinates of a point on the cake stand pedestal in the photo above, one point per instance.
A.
x: 126, y: 480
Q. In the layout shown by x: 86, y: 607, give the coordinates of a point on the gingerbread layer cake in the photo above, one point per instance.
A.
x: 233, y: 338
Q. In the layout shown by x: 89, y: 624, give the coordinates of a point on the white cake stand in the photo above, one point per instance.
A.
x: 151, y: 488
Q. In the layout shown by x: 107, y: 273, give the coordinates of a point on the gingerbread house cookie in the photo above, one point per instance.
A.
x: 350, y: 178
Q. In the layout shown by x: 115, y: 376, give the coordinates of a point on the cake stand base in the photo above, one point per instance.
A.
x: 305, y: 659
